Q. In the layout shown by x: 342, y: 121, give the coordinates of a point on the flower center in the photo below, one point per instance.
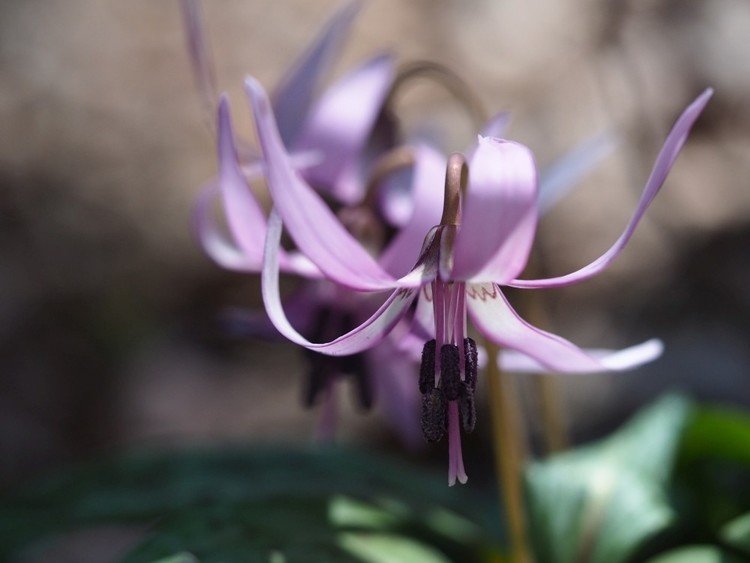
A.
x: 448, y: 373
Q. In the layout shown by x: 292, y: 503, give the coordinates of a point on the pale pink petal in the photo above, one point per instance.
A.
x: 312, y: 225
x: 225, y: 252
x: 294, y: 94
x: 245, y: 217
x: 365, y: 336
x: 427, y: 195
x: 499, y: 217
x: 558, y: 179
x: 616, y: 360
x: 394, y: 199
x: 423, y: 322
x: 494, y: 317
x: 497, y: 125
x: 664, y: 162
x: 209, y: 235
x: 339, y: 124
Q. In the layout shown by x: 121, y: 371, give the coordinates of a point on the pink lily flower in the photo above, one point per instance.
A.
x: 479, y: 244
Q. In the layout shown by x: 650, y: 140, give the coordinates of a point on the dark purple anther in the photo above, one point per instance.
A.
x: 450, y: 371
x: 467, y: 408
x: 471, y: 362
x: 427, y: 367
x: 434, y: 415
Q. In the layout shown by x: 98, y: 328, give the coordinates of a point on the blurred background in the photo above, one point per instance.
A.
x: 108, y: 332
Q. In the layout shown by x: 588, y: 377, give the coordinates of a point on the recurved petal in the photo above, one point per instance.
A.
x: 211, y: 238
x: 557, y: 180
x: 499, y: 215
x: 427, y: 196
x: 665, y: 160
x: 365, y: 336
x: 293, y: 96
x: 312, y: 225
x: 615, y: 360
x: 339, y: 124
x: 498, y: 321
x: 225, y: 252
x: 244, y: 215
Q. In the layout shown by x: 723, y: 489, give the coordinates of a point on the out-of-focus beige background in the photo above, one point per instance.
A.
x: 107, y: 307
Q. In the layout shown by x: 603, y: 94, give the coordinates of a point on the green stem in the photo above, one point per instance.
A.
x: 510, y: 453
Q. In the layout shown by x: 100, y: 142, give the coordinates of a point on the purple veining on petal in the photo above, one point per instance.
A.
x: 667, y: 156
x: 494, y: 317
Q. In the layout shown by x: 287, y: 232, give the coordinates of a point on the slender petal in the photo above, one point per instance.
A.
x: 244, y: 214
x: 499, y: 218
x: 340, y: 123
x: 226, y: 253
x: 427, y: 195
x: 628, y: 358
x: 293, y: 96
x: 497, y: 320
x: 497, y: 125
x: 566, y: 172
x: 311, y: 224
x: 365, y: 336
x: 200, y: 53
x: 210, y: 237
x: 664, y: 162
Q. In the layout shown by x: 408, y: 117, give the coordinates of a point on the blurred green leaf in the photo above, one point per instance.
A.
x: 250, y: 505
x: 179, y: 558
x: 737, y: 534
x: 599, y: 503
x: 696, y: 554
x: 717, y: 433
x: 378, y: 548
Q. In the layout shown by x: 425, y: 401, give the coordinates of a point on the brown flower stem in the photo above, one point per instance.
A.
x: 510, y: 453
x: 441, y: 74
x: 554, y: 421
x: 547, y: 388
